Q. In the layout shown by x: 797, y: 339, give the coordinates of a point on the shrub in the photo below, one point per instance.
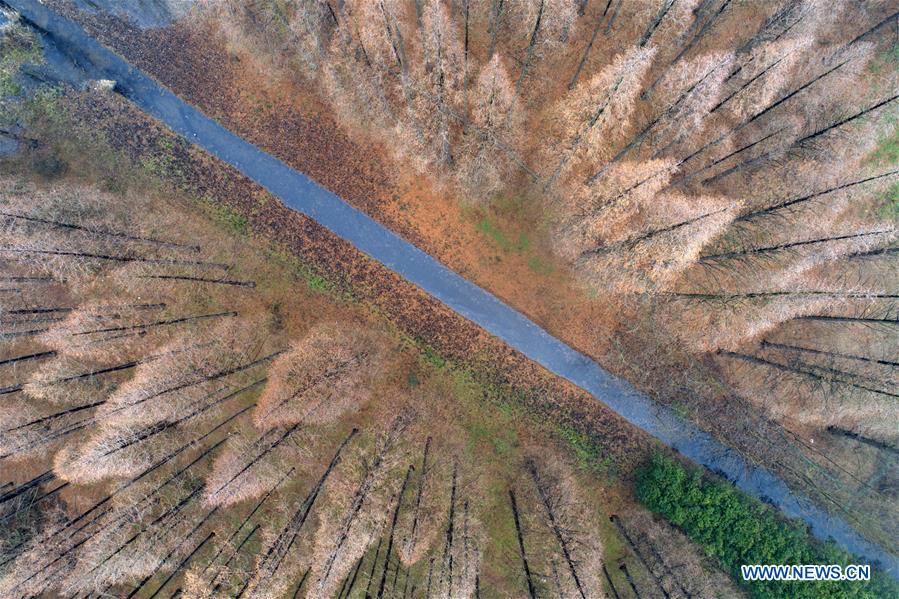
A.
x: 740, y: 530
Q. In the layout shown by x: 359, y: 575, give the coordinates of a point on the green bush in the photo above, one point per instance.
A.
x: 738, y: 529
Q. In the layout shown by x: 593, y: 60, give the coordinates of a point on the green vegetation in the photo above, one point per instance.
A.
x: 540, y: 266
x: 887, y: 151
x: 40, y: 109
x: 431, y: 356
x: 226, y: 217
x: 164, y: 162
x: 739, y: 530
x: 885, y: 61
x: 18, y: 46
x: 680, y: 408
x: 588, y: 453
x: 501, y: 238
x: 507, y: 229
x: 889, y: 209
x: 316, y: 282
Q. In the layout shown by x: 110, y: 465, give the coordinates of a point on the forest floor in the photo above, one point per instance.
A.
x: 503, y: 247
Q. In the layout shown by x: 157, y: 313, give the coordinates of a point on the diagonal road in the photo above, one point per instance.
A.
x: 81, y: 56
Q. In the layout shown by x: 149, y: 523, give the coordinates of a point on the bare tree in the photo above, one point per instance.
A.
x: 590, y: 114
x: 323, y: 375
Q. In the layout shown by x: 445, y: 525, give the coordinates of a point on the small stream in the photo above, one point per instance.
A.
x: 75, y: 56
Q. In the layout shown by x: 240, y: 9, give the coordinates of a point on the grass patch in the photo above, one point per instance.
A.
x: 315, y: 281
x: 539, y: 266
x: 18, y: 45
x: 432, y: 357
x: 738, y: 529
x: 164, y: 163
x: 501, y: 238
x: 514, y: 226
x: 589, y: 454
x: 885, y: 61
x: 225, y: 217
x: 500, y: 439
x: 889, y: 206
x: 680, y: 408
x: 506, y: 223
x: 412, y: 380
x: 40, y: 110
x: 886, y: 152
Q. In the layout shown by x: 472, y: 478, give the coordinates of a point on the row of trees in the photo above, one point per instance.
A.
x: 186, y: 407
x: 623, y: 151
x: 191, y: 448
x: 729, y: 162
x: 725, y: 159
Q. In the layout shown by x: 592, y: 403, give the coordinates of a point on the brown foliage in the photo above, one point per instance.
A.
x: 324, y: 375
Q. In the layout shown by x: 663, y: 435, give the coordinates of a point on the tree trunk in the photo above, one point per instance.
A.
x: 656, y: 21
x: 639, y: 555
x: 535, y: 34
x: 98, y: 232
x: 787, y: 203
x: 230, y: 282
x: 811, y: 374
x: 583, y: 61
x: 830, y: 354
x: 496, y: 18
x: 396, y: 514
x: 554, y: 525
x: 612, y: 588
x: 842, y: 122
x: 422, y: 480
x: 630, y: 579
x: 278, y: 550
x: 450, y: 530
x: 785, y: 246
x: 524, y: 560
x: 28, y: 358
x: 371, y: 574
x: 841, y: 432
x: 114, y: 258
x: 695, y: 173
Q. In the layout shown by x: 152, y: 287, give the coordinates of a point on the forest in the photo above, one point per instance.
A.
x: 200, y: 418
x: 189, y: 411
x: 714, y: 182
x: 747, y: 185
x: 702, y: 195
